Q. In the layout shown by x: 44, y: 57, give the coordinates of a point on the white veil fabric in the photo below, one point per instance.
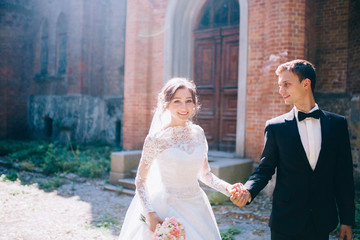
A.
x: 160, y: 120
x: 133, y: 227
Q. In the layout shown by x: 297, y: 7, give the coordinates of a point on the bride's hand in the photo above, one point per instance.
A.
x: 241, y: 198
x: 236, y: 188
x: 154, y: 219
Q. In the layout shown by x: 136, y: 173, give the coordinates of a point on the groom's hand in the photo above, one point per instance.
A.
x: 345, y: 232
x: 236, y: 187
x: 240, y: 198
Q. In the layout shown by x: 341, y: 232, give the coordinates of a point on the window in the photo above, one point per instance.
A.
x: 61, y: 44
x: 44, y: 52
x: 219, y: 13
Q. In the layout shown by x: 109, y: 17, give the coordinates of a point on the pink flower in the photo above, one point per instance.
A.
x: 170, y: 229
x: 175, y: 231
x: 173, y: 221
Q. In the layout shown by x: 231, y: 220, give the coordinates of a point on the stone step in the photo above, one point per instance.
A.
x: 129, y: 192
x: 231, y: 169
x: 224, y: 165
x: 127, y: 186
x: 133, y: 173
x: 228, y: 168
x: 127, y: 183
x: 119, y: 189
x: 214, y: 153
x: 212, y: 194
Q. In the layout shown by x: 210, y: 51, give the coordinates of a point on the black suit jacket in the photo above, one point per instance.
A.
x: 326, y: 193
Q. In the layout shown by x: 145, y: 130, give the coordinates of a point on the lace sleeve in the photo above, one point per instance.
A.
x: 207, y: 177
x: 149, y: 153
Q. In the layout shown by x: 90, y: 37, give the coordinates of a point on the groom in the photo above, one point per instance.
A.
x: 310, y: 150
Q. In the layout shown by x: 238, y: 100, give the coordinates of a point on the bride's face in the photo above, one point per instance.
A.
x: 181, y: 107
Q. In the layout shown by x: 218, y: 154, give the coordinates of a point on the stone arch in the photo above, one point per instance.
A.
x: 179, y: 23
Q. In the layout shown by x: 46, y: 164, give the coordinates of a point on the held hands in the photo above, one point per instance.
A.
x: 345, y: 232
x: 239, y: 194
x: 154, y: 219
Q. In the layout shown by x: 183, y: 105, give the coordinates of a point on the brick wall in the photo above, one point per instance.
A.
x: 15, y: 67
x: 144, y: 67
x: 353, y: 84
x: 95, y: 66
x: 353, y: 77
x: 276, y: 35
x: 325, y: 32
x: 332, y: 31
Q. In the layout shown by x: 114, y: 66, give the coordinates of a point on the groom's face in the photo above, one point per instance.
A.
x: 291, y: 89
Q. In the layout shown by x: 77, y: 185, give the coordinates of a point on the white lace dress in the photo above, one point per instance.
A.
x: 172, y: 162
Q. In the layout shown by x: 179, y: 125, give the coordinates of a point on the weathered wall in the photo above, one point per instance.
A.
x: 144, y: 68
x: 16, y: 51
x: 353, y: 83
x: 276, y: 34
x: 324, y: 32
x: 337, y: 60
x: 94, y: 69
x: 81, y: 118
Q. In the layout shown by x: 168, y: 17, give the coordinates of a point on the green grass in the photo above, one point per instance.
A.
x: 51, y: 185
x: 106, y: 222
x: 11, y: 176
x: 217, y: 198
x: 229, y: 234
x: 84, y: 160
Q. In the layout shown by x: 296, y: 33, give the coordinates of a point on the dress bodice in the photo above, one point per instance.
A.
x: 180, y: 169
x: 180, y: 154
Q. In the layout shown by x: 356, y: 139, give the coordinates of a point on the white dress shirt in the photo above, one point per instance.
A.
x: 310, y: 135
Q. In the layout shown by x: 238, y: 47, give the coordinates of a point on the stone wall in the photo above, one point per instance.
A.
x: 77, y: 118
x: 87, y: 95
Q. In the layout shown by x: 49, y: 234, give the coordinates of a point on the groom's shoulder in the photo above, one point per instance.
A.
x: 335, y: 118
x: 333, y: 115
x: 280, y: 119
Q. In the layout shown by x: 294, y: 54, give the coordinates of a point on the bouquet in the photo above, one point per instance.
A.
x: 170, y: 229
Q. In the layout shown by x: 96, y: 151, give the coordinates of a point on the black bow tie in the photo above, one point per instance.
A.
x: 314, y: 114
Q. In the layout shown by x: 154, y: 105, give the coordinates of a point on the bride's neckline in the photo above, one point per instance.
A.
x: 187, y: 125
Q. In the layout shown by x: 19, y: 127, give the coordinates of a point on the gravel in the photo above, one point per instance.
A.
x: 84, y: 210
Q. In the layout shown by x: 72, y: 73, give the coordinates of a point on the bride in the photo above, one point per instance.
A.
x: 174, y: 158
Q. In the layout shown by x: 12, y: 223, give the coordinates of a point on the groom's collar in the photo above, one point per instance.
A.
x: 294, y: 112
x: 290, y: 115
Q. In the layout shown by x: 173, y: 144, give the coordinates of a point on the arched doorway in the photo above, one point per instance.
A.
x: 216, y: 60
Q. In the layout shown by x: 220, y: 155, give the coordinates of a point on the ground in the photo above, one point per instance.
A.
x: 82, y: 209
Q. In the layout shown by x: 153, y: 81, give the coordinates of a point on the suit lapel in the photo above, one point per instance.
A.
x: 291, y: 125
x: 325, y: 136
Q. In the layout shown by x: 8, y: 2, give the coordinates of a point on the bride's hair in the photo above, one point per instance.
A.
x: 168, y: 91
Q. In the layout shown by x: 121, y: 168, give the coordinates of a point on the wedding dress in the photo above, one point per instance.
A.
x: 172, y: 162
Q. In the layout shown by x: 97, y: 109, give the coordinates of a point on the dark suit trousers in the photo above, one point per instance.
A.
x: 308, y: 233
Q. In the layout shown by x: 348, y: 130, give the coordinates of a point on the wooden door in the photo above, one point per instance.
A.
x: 216, y: 76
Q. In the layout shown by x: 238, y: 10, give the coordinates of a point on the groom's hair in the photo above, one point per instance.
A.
x: 302, y: 68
